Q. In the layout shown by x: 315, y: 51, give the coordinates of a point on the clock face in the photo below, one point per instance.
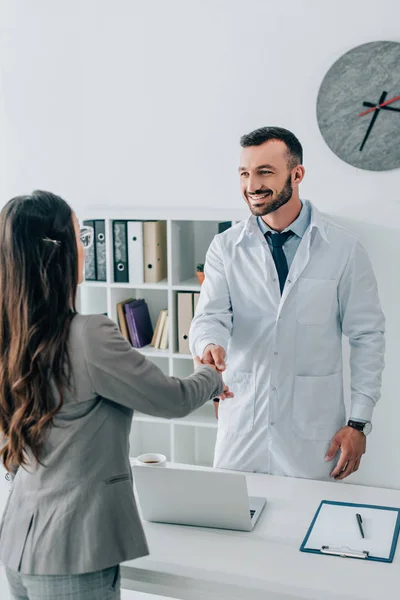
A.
x: 358, y: 106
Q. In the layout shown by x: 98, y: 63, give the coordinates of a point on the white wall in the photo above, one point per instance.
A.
x: 135, y: 103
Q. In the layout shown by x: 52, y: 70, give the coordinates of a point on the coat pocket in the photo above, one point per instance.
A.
x: 318, y: 407
x: 117, y: 478
x: 236, y: 415
x: 315, y: 301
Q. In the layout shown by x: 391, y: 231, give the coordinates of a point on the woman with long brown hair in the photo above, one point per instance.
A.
x: 69, y: 384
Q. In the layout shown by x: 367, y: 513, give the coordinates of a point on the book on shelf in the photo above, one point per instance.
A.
x: 130, y: 326
x: 158, y: 332
x: 121, y: 318
x: 138, y: 322
x: 165, y: 333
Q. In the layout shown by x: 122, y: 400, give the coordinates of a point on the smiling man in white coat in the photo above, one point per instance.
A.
x: 280, y: 291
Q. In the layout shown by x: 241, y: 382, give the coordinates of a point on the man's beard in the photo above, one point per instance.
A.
x: 272, y: 204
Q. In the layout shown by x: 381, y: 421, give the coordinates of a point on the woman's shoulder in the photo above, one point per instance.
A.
x: 97, y: 335
x: 91, y: 326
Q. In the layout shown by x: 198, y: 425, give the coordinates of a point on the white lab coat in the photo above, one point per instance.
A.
x: 284, y: 353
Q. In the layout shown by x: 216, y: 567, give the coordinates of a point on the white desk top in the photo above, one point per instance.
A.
x: 195, y: 563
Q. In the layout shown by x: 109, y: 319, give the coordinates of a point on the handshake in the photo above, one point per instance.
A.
x: 214, y: 356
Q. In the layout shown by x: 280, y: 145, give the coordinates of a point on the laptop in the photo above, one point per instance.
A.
x: 202, y: 498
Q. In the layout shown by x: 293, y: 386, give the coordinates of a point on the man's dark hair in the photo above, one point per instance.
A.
x: 265, y: 134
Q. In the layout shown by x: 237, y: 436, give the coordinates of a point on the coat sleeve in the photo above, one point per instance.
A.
x: 363, y: 323
x: 123, y: 375
x: 212, y: 323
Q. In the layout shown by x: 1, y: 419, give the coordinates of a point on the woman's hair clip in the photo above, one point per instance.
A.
x: 56, y: 242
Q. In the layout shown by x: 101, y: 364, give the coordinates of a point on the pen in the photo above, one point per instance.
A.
x: 359, y: 521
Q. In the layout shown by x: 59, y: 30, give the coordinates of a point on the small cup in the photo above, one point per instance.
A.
x: 151, y: 460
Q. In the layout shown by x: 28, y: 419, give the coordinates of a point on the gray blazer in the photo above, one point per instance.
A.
x: 76, y: 513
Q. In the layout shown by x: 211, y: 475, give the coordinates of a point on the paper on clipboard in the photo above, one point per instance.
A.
x: 336, y: 527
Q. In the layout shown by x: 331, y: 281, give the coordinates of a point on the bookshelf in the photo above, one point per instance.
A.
x: 189, y: 233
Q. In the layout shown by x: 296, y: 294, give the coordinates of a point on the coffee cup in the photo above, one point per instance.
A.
x: 151, y: 459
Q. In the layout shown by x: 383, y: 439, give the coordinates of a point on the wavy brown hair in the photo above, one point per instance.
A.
x: 38, y: 284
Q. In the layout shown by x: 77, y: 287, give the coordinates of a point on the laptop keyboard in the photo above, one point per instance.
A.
x: 252, y: 513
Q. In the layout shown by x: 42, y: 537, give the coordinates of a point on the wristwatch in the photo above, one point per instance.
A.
x: 365, y: 428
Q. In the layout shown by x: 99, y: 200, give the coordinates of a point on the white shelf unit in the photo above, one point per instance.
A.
x: 192, y: 439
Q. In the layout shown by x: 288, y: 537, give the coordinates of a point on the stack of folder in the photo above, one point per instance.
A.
x: 134, y: 322
x: 187, y: 303
x: 140, y: 251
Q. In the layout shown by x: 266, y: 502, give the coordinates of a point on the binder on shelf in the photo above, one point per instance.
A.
x: 121, y: 318
x: 139, y: 323
x: 336, y: 530
x: 135, y: 252
x: 120, y: 248
x: 185, y: 316
x: 196, y: 297
x: 100, y: 249
x: 155, y: 251
x: 165, y: 333
x: 224, y: 226
x: 90, y: 258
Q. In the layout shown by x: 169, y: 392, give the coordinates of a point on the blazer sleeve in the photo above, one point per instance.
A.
x: 123, y: 375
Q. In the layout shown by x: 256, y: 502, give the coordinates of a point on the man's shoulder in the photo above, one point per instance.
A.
x: 231, y: 235
x: 337, y: 233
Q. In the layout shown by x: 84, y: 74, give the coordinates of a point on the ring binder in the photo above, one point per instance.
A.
x: 345, y: 552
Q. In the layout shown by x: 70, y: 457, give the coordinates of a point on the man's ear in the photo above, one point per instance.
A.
x: 298, y: 174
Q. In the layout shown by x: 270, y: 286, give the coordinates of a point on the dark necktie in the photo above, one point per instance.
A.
x: 277, y: 240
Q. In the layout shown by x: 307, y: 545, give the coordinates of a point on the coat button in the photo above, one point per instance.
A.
x: 274, y: 389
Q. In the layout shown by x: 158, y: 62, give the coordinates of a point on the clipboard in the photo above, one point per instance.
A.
x: 335, y: 531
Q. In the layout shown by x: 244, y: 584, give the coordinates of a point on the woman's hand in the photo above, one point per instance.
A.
x: 226, y: 393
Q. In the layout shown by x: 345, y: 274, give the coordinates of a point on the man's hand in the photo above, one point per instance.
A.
x: 226, y: 393
x: 352, y: 444
x: 214, y: 355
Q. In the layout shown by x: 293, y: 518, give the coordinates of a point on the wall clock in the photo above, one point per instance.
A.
x: 358, y: 106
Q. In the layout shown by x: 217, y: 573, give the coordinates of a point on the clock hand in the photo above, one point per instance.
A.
x: 380, y: 105
x: 376, y: 113
x: 390, y: 108
x: 383, y: 107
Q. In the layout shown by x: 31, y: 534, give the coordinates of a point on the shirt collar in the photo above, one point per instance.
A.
x: 299, y: 226
x: 314, y: 217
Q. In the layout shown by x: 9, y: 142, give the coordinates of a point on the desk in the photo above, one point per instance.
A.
x: 192, y: 563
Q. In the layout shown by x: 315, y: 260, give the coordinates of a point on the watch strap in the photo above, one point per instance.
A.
x: 359, y: 425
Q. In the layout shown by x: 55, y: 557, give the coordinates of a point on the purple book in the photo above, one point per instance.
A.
x: 131, y: 329
x: 140, y: 321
